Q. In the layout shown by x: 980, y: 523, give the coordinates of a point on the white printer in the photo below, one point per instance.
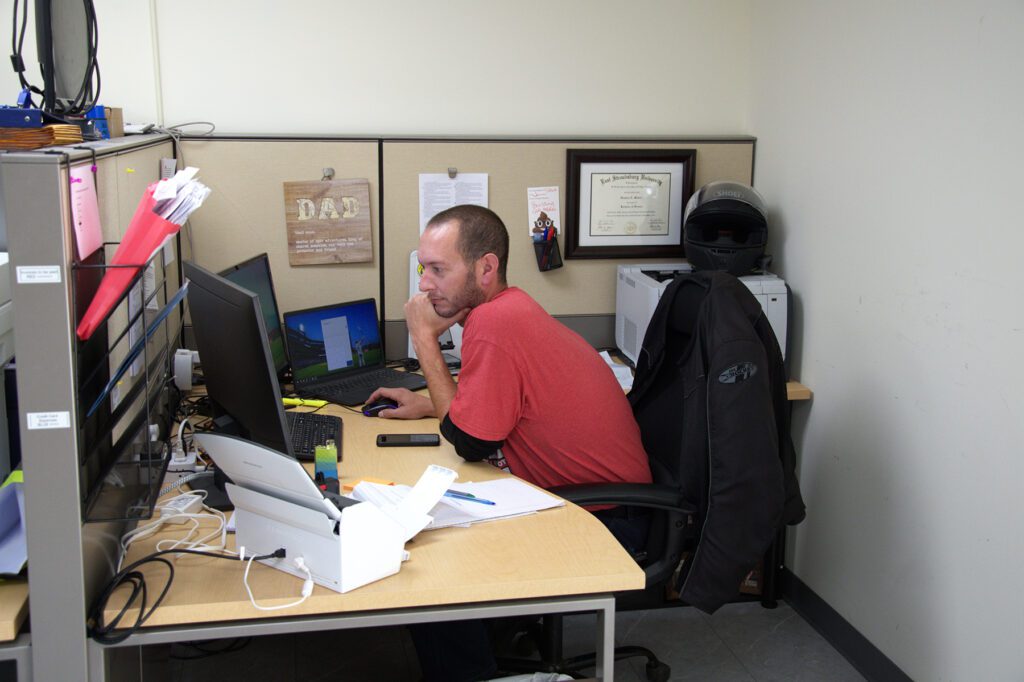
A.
x: 638, y: 289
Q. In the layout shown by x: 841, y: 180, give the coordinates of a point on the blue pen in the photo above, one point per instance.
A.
x: 466, y: 497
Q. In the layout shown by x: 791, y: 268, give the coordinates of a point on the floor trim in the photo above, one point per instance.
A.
x: 855, y: 647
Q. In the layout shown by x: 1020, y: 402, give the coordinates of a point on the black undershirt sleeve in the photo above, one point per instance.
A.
x: 468, y: 447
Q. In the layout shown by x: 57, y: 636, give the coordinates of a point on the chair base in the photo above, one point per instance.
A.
x: 547, y: 639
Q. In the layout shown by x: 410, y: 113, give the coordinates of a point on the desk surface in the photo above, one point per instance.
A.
x: 13, y: 607
x: 563, y: 551
x: 797, y: 391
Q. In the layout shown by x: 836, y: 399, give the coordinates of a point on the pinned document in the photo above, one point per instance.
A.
x: 439, y: 192
x: 85, y: 211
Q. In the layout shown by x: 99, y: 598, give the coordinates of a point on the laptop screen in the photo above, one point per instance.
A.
x: 333, y: 340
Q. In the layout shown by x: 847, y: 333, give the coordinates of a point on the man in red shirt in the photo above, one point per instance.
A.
x: 528, y: 385
x: 533, y: 397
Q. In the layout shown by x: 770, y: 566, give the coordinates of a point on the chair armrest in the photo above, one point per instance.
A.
x: 650, y: 495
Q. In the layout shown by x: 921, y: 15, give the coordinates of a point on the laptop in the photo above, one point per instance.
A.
x: 336, y: 353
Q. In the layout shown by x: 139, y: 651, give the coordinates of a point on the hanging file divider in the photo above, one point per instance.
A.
x: 124, y: 425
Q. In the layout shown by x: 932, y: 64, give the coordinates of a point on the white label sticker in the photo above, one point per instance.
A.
x: 49, y: 420
x: 36, y: 274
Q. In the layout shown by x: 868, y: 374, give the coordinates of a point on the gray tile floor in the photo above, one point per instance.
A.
x: 741, y: 642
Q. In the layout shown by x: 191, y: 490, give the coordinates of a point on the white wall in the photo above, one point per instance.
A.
x: 579, y: 67
x: 889, y: 143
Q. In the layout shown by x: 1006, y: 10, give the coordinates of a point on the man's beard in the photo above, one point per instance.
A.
x: 470, y: 296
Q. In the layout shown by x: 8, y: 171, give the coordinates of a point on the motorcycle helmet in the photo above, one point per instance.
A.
x: 725, y: 227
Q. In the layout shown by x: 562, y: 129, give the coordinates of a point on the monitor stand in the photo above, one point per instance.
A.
x: 216, y: 497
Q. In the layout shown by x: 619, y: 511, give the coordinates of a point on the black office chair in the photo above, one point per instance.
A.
x: 709, y: 396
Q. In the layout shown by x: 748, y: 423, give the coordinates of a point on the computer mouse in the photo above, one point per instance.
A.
x: 373, y: 409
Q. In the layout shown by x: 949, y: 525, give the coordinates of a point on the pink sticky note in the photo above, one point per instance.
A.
x: 85, y: 211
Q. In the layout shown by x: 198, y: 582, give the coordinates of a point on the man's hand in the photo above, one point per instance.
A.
x: 410, y: 405
x: 423, y: 321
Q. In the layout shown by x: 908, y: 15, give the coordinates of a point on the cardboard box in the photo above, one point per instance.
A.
x: 115, y: 121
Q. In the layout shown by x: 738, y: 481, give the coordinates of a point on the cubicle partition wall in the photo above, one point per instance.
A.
x: 71, y: 559
x: 245, y: 214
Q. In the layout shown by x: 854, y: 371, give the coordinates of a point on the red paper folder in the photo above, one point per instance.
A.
x: 146, y: 232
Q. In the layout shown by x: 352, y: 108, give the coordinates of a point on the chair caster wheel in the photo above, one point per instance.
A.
x: 658, y: 671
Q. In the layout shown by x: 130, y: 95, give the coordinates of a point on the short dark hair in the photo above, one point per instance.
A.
x: 480, y: 231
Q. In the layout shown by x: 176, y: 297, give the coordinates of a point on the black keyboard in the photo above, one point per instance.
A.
x: 355, y: 390
x: 378, y: 377
x: 309, y: 430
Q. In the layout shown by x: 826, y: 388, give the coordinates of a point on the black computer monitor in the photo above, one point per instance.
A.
x: 235, y: 355
x: 254, y: 274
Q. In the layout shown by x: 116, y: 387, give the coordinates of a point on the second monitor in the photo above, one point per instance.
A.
x: 254, y: 274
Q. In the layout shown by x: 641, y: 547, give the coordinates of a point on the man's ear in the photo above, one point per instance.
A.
x: 487, y: 269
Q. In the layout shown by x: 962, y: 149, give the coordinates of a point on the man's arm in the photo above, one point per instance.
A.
x: 425, y: 325
x: 435, y: 370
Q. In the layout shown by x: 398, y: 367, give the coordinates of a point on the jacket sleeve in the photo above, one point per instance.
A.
x: 469, y: 448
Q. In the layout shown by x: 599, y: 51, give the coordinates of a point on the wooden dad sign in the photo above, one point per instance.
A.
x: 328, y: 222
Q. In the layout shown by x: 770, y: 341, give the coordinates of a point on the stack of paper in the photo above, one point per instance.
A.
x: 497, y: 499
x: 164, y: 207
x: 175, y: 198
x: 33, y: 138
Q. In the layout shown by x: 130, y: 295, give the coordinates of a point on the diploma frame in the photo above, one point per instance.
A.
x: 592, y: 231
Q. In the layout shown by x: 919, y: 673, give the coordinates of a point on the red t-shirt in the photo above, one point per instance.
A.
x: 529, y: 380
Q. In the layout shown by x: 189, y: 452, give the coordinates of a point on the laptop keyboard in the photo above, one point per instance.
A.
x: 309, y: 430
x: 358, y: 388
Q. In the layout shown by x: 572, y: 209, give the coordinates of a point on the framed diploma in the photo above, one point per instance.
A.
x: 627, y: 203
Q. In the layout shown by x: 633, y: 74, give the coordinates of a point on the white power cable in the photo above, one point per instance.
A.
x: 307, y: 584
x: 170, y: 512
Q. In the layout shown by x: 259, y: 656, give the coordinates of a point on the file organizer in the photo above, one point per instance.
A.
x: 122, y: 459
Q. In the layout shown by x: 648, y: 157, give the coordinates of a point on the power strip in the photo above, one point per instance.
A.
x: 182, y: 462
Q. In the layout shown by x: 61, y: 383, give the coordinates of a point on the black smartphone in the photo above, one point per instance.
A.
x: 407, y: 440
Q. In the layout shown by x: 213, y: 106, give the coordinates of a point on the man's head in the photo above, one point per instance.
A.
x: 464, y: 254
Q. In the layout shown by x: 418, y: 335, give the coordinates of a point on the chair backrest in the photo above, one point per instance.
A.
x: 703, y: 397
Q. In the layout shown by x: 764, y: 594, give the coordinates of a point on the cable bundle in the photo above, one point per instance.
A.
x: 89, y: 90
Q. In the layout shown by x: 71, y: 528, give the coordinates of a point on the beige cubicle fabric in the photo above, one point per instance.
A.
x: 244, y: 214
x: 581, y: 286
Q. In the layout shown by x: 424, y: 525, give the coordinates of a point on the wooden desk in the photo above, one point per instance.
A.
x: 556, y: 561
x: 13, y: 611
